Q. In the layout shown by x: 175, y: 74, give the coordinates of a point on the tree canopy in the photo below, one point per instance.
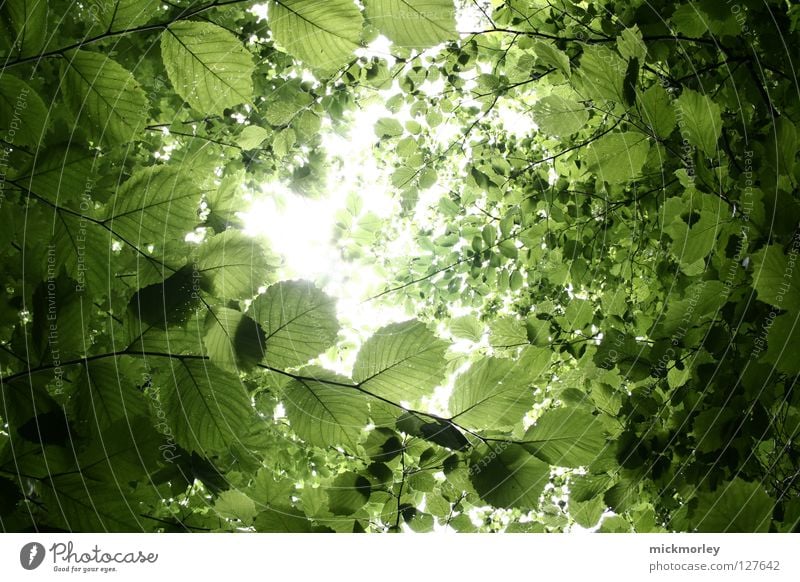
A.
x: 594, y: 237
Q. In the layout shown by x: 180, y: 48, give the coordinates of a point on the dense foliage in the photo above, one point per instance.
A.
x: 609, y: 293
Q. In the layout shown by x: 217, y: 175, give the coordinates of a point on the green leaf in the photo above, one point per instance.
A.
x: 617, y: 157
x: 62, y: 173
x: 233, y: 504
x: 737, y: 506
x: 299, y: 322
x: 28, y: 19
x: 323, y: 35
x: 558, y: 116
x: 566, y: 437
x: 699, y: 119
x: 413, y: 24
x: 251, y: 137
x: 631, y: 45
x: 207, y: 408
x: 282, y: 519
x: 104, y: 97
x: 234, y: 265
x: 656, y: 110
x: 776, y: 280
x: 388, y: 127
x: 782, y: 339
x: 509, y: 477
x: 208, y: 66
x: 169, y: 302
x: 688, y: 19
x: 155, y: 205
x: 493, y: 393
x: 401, y: 362
x: 113, y: 15
x: 601, y: 74
x: 23, y: 115
x: 107, y: 393
x: 286, y: 102
x: 326, y: 414
x: 550, y: 55
x: 348, y: 493
x: 233, y: 341
x: 433, y: 430
x: 467, y: 327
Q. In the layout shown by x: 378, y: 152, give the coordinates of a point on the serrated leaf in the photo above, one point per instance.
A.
x: 23, y: 115
x: 737, y: 506
x: 208, y: 66
x: 414, y: 24
x: 493, y: 393
x: 299, y: 322
x: 776, y: 281
x: 155, y: 205
x: 323, y: 35
x: 601, y: 74
x: 401, y: 362
x: 104, y: 97
x: 234, y: 265
x: 510, y: 477
x: 107, y: 393
x: 251, y: 137
x: 699, y: 119
x: 348, y: 493
x: 549, y: 54
x: 566, y: 437
x: 282, y: 519
x: 558, y: 116
x: 207, y: 408
x: 617, y: 157
x: 28, y: 18
x: 656, y: 110
x: 388, y: 127
x: 233, y: 504
x: 326, y: 414
x: 233, y: 341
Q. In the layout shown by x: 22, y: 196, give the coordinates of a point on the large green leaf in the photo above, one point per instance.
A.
x: 107, y: 393
x: 206, y: 408
x: 558, y: 116
x: 566, y: 437
x: 699, y: 119
x: 737, y: 506
x: 493, y: 393
x: 155, y: 206
x: 23, y: 115
x: 233, y: 341
x: 234, y: 266
x: 775, y: 279
x: 415, y: 24
x: 507, y: 476
x: 208, y: 66
x: 28, y: 21
x: 601, y: 74
x: 348, y: 493
x: 324, y: 411
x: 104, y: 97
x: 617, y: 157
x: 299, y: 322
x: 323, y: 35
x: 401, y: 362
x: 656, y: 110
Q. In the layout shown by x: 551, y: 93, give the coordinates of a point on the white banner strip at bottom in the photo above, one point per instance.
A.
x: 403, y: 557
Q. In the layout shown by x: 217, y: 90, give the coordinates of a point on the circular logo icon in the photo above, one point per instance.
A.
x: 31, y: 555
